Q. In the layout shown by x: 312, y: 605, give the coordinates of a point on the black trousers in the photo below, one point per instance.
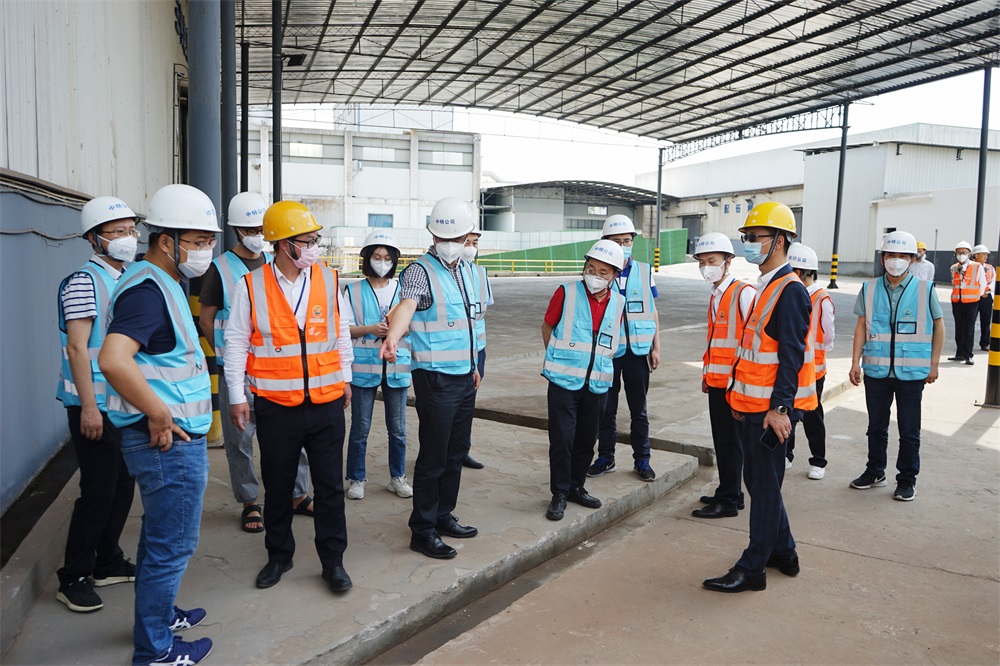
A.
x: 985, y: 318
x: 445, y: 406
x: 574, y: 420
x: 282, y: 433
x: 965, y: 327
x: 99, y: 514
x: 727, y: 437
x: 814, y: 425
x: 633, y: 372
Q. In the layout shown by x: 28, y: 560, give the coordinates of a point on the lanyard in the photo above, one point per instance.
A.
x: 302, y: 291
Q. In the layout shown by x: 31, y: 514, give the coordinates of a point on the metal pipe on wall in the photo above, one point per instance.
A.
x: 276, y: 37
x: 840, y: 202
x: 227, y: 16
x: 204, y: 128
x: 244, y: 116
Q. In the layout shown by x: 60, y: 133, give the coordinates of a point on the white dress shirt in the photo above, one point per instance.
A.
x: 746, y: 296
x: 239, y: 328
x: 825, y: 317
x: 922, y: 270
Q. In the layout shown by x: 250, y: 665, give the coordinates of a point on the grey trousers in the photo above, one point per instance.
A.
x: 239, y: 452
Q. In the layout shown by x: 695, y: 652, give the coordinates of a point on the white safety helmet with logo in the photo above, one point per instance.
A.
x: 618, y: 224
x: 380, y: 238
x: 451, y: 218
x: 804, y: 257
x: 899, y: 241
x: 101, y: 210
x: 182, y: 207
x: 246, y: 209
x: 609, y: 252
x: 963, y: 245
x: 714, y: 242
x: 980, y: 249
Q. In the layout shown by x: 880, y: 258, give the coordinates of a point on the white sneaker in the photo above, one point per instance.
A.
x: 816, y: 473
x: 788, y: 463
x: 399, y: 486
x: 357, y: 490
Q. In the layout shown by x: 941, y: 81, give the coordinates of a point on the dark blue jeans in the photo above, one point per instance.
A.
x: 633, y: 371
x: 879, y: 395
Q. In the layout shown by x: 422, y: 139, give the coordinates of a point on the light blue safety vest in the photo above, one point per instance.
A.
x: 900, y: 338
x: 442, y: 336
x: 576, y: 354
x: 367, y: 369
x: 640, y: 311
x: 481, y: 288
x: 179, y: 377
x: 66, y: 391
x: 231, y: 269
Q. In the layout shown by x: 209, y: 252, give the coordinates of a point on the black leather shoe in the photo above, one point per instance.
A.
x: 271, y: 573
x: 736, y: 580
x: 956, y: 358
x: 471, y: 463
x: 432, y: 546
x: 786, y: 565
x: 715, y: 510
x: 557, y: 507
x: 450, y: 527
x: 579, y: 495
x: 709, y: 499
x: 969, y: 361
x: 338, y: 579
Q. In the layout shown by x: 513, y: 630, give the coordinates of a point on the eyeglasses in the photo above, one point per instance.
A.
x: 201, y: 245
x: 308, y: 244
x: 121, y: 233
x: 607, y: 275
x: 753, y: 238
x: 624, y: 243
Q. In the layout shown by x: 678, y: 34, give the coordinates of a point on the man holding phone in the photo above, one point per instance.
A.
x: 773, y: 380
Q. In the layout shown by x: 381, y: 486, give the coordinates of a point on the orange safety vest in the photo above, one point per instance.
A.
x: 816, y: 331
x: 991, y: 276
x: 756, y: 367
x: 964, y: 285
x: 724, y: 331
x: 286, y: 364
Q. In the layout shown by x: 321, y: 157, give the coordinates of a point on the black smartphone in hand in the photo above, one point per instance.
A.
x: 770, y: 439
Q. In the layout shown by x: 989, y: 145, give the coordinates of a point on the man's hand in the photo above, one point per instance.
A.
x: 240, y: 415
x: 856, y: 374
x: 780, y: 423
x: 379, y: 330
x: 736, y: 415
x: 162, y: 430
x: 347, y: 396
x: 704, y: 385
x: 932, y: 375
x: 476, y: 380
x: 654, y: 356
x: 387, y: 350
x: 91, y: 423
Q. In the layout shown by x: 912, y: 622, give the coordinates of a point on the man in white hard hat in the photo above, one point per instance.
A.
x: 93, y: 556
x: 642, y: 355
x: 160, y: 396
x: 728, y: 310
x: 805, y: 264
x: 246, y: 217
x: 484, y: 300
x: 968, y: 284
x: 980, y: 254
x: 583, y: 333
x: 895, y: 310
x: 921, y: 268
x: 437, y: 297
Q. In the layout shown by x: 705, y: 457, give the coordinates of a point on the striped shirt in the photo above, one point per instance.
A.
x: 414, y: 284
x: 78, y: 299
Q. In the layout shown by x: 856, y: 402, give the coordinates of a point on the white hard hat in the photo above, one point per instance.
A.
x: 104, y: 209
x: 714, y: 242
x: 899, y: 241
x: 451, y: 217
x: 963, y: 245
x: 182, y: 207
x: 618, y: 224
x: 980, y: 249
x: 246, y: 209
x: 804, y: 257
x: 383, y: 238
x: 609, y: 252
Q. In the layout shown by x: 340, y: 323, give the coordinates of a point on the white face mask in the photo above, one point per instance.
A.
x: 253, y: 243
x: 713, y: 274
x: 381, y: 268
x: 197, y: 263
x: 469, y: 253
x: 896, y: 267
x: 122, y: 249
x: 962, y: 258
x: 449, y: 251
x: 595, y: 283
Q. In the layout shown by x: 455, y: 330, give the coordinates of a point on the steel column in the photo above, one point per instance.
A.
x: 840, y: 202
x: 659, y: 197
x: 204, y: 128
x: 244, y: 116
x: 228, y: 124
x: 276, y: 99
x: 992, y: 398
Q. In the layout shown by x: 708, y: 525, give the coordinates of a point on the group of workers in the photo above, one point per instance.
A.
x: 296, y: 350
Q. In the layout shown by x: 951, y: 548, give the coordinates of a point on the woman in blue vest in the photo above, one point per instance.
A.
x: 897, y: 346
x: 582, y: 333
x: 371, y: 299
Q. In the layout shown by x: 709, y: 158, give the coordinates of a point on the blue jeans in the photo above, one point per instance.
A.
x: 879, y: 394
x: 362, y: 406
x: 172, y: 486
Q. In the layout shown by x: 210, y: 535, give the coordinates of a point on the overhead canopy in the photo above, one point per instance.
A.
x: 584, y: 189
x: 678, y: 70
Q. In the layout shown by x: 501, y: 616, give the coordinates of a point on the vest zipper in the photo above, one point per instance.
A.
x: 305, y: 363
x: 593, y: 354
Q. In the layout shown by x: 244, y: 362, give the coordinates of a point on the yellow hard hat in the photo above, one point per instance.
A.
x: 773, y: 215
x: 921, y: 245
x: 284, y: 219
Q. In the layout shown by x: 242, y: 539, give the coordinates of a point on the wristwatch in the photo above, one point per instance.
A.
x: 781, y: 409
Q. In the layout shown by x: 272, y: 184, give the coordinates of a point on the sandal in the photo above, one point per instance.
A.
x: 248, y: 519
x: 301, y: 509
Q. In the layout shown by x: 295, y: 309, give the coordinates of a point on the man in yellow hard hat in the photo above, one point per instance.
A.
x: 921, y: 268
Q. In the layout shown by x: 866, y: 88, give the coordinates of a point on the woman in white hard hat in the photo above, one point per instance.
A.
x: 371, y: 299
x: 980, y: 254
x: 582, y: 332
x: 968, y: 284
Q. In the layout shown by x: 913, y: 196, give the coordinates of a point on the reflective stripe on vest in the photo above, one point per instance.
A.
x: 756, y: 367
x: 482, y: 290
x: 817, y: 332
x: 179, y: 377
x: 442, y: 336
x: 991, y: 276
x: 640, y: 311
x: 277, y: 364
x: 575, y: 353
x: 724, y: 333
x: 964, y: 285
x: 898, y: 340
x: 367, y: 367
x: 231, y: 269
x: 66, y: 390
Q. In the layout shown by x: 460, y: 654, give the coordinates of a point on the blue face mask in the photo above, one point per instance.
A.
x: 752, y: 253
x: 627, y: 251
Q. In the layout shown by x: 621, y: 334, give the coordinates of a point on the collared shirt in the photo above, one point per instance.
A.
x: 78, y: 298
x: 922, y: 270
x: 894, y: 293
x: 746, y: 296
x: 415, y: 285
x: 553, y: 314
x: 622, y: 279
x: 825, y: 317
x: 239, y: 328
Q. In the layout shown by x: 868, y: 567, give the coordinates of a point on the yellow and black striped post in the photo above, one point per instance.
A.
x: 214, y: 436
x: 656, y: 258
x: 993, y: 369
x: 833, y: 272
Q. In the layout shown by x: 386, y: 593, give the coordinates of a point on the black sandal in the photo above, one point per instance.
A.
x: 301, y: 507
x: 248, y: 519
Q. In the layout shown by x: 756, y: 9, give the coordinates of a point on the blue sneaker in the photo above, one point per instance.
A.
x: 185, y: 619
x: 182, y: 653
x: 644, y: 471
x: 601, y: 466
